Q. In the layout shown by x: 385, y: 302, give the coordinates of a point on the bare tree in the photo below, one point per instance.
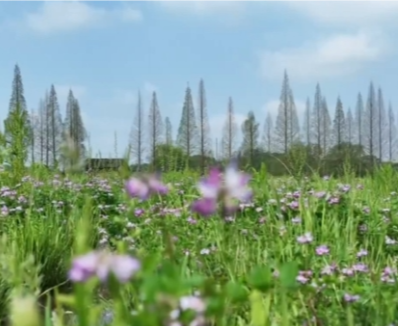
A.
x: 187, y: 137
x: 370, y: 123
x: 339, y: 126
x: 286, y: 126
x: 392, y: 140
x: 34, y: 120
x: 325, y: 127
x: 250, y: 130
x: 267, y: 141
x: 137, y: 135
x: 316, y: 123
x: 381, y: 126
x: 54, y: 127
x: 229, y: 137
x: 169, y: 131
x: 41, y: 131
x: 204, y: 128
x: 47, y: 125
x: 359, y: 121
x: 155, y: 130
x: 307, y: 122
x: 74, y: 130
x: 350, y: 126
x: 47, y: 130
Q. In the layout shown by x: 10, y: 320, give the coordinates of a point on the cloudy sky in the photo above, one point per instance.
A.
x: 107, y: 51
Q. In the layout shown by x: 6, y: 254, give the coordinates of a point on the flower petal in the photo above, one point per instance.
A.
x: 205, y: 206
x: 156, y: 186
x: 84, y: 267
x: 136, y: 188
x: 236, y: 183
x: 209, y: 187
x: 124, y: 267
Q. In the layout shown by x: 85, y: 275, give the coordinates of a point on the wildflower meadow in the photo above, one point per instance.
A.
x: 229, y: 248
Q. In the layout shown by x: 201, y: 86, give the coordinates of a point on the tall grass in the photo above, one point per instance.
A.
x: 310, y: 251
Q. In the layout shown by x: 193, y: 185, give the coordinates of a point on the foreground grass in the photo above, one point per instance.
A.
x: 314, y: 252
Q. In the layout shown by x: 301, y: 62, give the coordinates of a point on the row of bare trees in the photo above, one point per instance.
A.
x: 50, y: 131
x: 370, y: 127
x: 193, y: 136
x: 44, y: 131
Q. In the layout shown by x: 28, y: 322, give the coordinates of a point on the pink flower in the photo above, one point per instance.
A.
x: 193, y: 303
x: 137, y: 188
x: 322, y: 250
x: 145, y: 186
x: 227, y: 189
x: 351, y: 298
x: 306, y: 238
x: 362, y: 253
x: 205, y: 206
x: 102, y: 264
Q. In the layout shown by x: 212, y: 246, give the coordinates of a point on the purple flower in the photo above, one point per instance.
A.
x: 344, y: 188
x: 351, y: 298
x: 306, y: 238
x: 4, y: 211
x: 320, y: 194
x: 294, y: 205
x: 296, y: 220
x: 227, y: 188
x: 102, y: 264
x: 348, y: 271
x: 328, y: 269
x: 137, y: 188
x: 205, y: 206
x: 334, y: 200
x: 322, y: 250
x: 145, y: 186
x: 191, y: 220
x: 302, y: 279
x: 138, y: 212
x: 360, y: 268
x: 362, y: 253
x: 388, y: 275
x: 193, y: 303
x: 304, y: 276
x: 156, y: 186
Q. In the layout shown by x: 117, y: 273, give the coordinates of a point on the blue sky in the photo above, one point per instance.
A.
x: 107, y: 51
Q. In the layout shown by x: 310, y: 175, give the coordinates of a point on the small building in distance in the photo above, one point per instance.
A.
x: 104, y: 164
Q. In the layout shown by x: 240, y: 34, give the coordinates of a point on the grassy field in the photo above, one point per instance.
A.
x: 314, y: 251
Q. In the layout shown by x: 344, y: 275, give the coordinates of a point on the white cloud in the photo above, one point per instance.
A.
x: 273, y: 105
x: 129, y: 14
x: 347, y: 13
x: 53, y: 17
x: 205, y: 8
x: 338, y: 55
